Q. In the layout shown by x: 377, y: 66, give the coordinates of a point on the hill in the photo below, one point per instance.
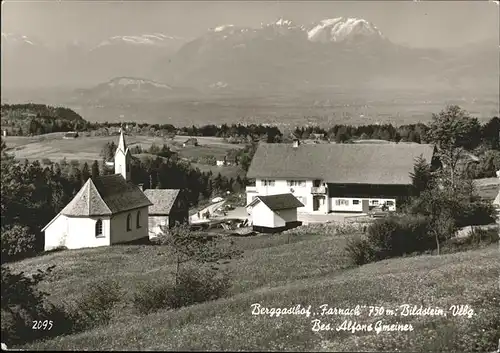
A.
x: 312, y: 270
x: 39, y: 119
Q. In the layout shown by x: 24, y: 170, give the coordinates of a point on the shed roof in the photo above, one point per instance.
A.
x: 278, y: 202
x: 163, y: 200
x: 384, y: 164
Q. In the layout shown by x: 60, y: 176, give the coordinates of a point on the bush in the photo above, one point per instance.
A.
x: 475, y: 213
x: 359, y: 250
x: 193, y: 286
x: 392, y: 236
x: 150, y: 297
x: 97, y: 302
x: 23, y: 306
x: 197, y: 286
x: 17, y: 242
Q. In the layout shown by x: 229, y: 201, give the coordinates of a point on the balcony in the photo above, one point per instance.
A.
x: 321, y: 190
x: 251, y: 189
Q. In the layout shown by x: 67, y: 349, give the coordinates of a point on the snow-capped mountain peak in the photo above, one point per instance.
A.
x: 153, y: 39
x: 340, y: 29
x: 17, y: 39
x: 282, y: 23
x: 222, y: 28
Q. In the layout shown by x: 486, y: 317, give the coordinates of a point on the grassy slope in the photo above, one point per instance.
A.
x: 312, y: 270
x: 54, y: 147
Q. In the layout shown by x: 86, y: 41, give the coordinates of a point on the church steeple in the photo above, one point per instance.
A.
x: 122, y: 158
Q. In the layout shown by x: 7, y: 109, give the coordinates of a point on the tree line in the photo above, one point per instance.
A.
x: 487, y: 133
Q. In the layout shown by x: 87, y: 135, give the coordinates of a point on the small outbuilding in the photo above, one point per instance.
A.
x: 274, y: 213
x: 168, y: 208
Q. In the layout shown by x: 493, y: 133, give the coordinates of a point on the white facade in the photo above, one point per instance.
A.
x: 346, y: 204
x: 155, y: 225
x: 80, y: 232
x: 76, y: 233
x: 119, y: 232
x: 263, y: 216
x: 301, y: 189
x: 314, y: 198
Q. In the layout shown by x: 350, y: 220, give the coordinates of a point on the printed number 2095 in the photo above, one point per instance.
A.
x: 42, y: 325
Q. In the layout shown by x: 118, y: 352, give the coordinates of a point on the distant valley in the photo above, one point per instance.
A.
x: 341, y: 69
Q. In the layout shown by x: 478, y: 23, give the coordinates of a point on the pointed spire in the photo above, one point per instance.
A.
x: 121, y: 143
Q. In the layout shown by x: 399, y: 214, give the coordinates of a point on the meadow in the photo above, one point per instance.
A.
x: 88, y: 148
x: 309, y: 268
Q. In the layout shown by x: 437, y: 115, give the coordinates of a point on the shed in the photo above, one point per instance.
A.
x: 190, y: 142
x: 274, y: 213
x: 168, y: 208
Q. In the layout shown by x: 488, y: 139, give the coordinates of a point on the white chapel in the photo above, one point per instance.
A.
x: 107, y: 210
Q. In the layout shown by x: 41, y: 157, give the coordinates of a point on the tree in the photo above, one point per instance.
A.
x: 342, y: 135
x: 95, y: 170
x: 85, y: 173
x: 194, y: 246
x: 108, y: 151
x: 453, y: 132
x: 491, y: 133
x: 421, y: 176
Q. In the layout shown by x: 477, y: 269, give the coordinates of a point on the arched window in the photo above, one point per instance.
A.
x: 98, y: 228
x: 129, y: 222
x: 138, y: 220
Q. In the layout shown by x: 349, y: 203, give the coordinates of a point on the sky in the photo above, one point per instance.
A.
x: 418, y: 24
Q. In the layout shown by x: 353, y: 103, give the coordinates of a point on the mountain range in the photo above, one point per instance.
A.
x: 276, y: 57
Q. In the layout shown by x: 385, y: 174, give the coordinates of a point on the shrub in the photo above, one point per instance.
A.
x: 359, y: 250
x: 17, y: 242
x: 23, y: 305
x: 392, y: 236
x: 98, y: 301
x: 193, y: 286
x: 475, y: 213
x: 150, y: 297
x: 197, y: 286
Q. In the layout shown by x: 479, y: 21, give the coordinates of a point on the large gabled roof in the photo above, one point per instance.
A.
x: 106, y: 195
x: 278, y: 202
x: 163, y: 200
x: 389, y: 164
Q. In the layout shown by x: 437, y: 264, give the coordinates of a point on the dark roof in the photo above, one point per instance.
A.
x: 163, y: 200
x: 106, y: 195
x: 278, y: 202
x: 339, y: 163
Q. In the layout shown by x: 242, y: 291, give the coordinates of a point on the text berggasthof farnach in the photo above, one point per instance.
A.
x: 323, y: 311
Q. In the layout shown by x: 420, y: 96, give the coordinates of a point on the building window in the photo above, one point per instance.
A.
x: 129, y: 222
x: 98, y: 228
x: 300, y: 183
x: 374, y: 202
x: 342, y: 202
x: 390, y: 203
x: 355, y: 202
x: 138, y: 220
x: 266, y: 182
